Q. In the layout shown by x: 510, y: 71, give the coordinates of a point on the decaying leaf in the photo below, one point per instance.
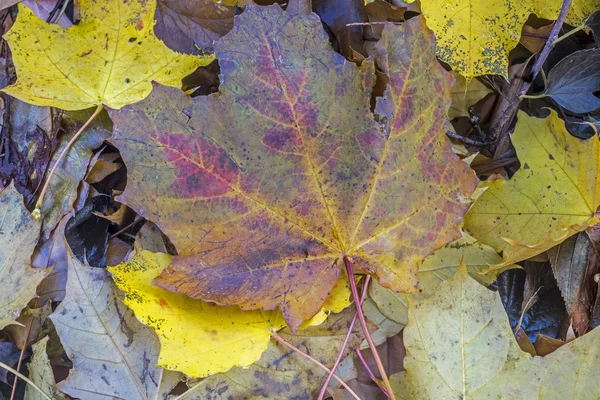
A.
x: 264, y: 186
x: 40, y: 373
x: 110, y: 57
x: 438, y: 267
x: 280, y: 372
x: 190, y: 25
x: 474, y: 37
x: 114, y: 356
x: 459, y: 345
x: 219, y: 338
x: 574, y: 80
x: 19, y: 234
x: 553, y: 195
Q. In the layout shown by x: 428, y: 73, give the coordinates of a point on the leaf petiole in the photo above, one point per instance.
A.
x: 37, y: 212
x: 284, y: 342
x: 363, y: 324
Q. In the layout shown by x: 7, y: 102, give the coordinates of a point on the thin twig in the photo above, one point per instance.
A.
x: 37, y: 213
x: 341, y: 353
x: 20, y: 375
x: 363, y: 324
x: 284, y: 342
x: 371, y: 374
x: 373, y: 23
x: 499, y: 131
x: 129, y: 226
x: 464, y: 139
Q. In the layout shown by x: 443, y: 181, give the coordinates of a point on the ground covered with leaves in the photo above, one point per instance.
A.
x: 342, y: 199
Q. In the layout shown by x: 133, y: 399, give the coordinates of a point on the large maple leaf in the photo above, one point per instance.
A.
x: 265, y: 186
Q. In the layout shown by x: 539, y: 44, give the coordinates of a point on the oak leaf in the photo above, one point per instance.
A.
x: 110, y: 57
x: 459, y: 344
x: 219, y: 338
x: 554, y: 194
x: 475, y: 36
x: 265, y: 186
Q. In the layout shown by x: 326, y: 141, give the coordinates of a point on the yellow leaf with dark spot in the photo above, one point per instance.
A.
x: 554, y: 194
x: 197, y: 338
x: 475, y: 36
x: 111, y: 57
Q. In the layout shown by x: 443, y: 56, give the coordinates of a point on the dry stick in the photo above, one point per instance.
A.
x: 363, y: 324
x: 20, y: 375
x: 371, y: 374
x: 37, y: 213
x: 341, y: 354
x: 284, y: 342
x: 499, y: 131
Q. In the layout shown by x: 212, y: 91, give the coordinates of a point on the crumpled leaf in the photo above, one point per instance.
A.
x: 459, y: 345
x: 552, y: 196
x: 264, y: 186
x: 438, y: 267
x: 19, y: 234
x: 109, y: 58
x: 113, y: 354
x: 281, y: 373
x: 62, y: 191
x: 187, y: 26
x: 223, y: 337
x: 573, y: 81
x: 475, y: 37
x: 40, y: 373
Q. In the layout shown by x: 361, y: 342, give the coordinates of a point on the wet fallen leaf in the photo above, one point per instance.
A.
x: 475, y: 37
x: 271, y: 160
x: 552, y: 196
x: 19, y: 234
x: 109, y: 58
x: 223, y: 337
x: 459, y: 343
x: 573, y: 82
x: 113, y: 354
x: 188, y: 26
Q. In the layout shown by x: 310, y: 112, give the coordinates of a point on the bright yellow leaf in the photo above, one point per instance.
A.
x: 553, y: 195
x: 475, y: 36
x: 197, y: 338
x: 111, y: 57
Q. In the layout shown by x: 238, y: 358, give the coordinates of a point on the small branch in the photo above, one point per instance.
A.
x: 463, y: 139
x: 499, y: 131
x: 284, y: 342
x: 20, y: 375
x: 37, y: 213
x: 363, y: 324
x: 341, y: 354
x: 371, y: 374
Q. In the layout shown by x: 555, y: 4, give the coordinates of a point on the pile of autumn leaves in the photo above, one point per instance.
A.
x: 267, y: 187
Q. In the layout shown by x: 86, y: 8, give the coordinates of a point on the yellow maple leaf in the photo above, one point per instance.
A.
x: 475, y: 36
x: 197, y: 338
x: 553, y: 195
x: 111, y: 57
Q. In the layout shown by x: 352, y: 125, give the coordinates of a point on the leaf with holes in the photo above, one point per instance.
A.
x: 265, y: 186
x: 554, y: 194
x: 111, y: 57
